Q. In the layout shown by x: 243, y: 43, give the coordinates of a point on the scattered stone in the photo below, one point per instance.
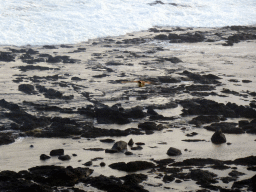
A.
x: 246, y: 81
x: 191, y: 134
x: 193, y: 140
x: 89, y: 163
x: 140, y: 143
x: 111, y: 151
x: 120, y: 146
x: 218, y: 137
x: 94, y: 149
x: 136, y: 148
x: 128, y: 153
x: 107, y: 140
x: 130, y: 143
x: 57, y: 152
x: 173, y: 151
x: 44, y: 157
x: 102, y: 164
x: 64, y: 157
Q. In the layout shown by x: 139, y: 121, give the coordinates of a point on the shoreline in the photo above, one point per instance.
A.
x: 133, y: 32
x: 194, y: 81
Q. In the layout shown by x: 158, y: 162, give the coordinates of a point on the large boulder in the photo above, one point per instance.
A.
x: 57, y: 152
x: 218, y: 137
x: 120, y: 146
x: 173, y: 151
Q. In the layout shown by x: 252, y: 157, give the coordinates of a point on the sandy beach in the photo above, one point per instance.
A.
x: 161, y: 88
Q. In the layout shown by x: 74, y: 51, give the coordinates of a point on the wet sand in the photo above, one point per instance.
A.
x: 103, y: 72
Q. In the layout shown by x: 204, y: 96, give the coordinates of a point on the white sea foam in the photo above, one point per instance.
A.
x: 39, y: 22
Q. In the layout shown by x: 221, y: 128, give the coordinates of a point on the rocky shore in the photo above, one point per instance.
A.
x: 167, y: 109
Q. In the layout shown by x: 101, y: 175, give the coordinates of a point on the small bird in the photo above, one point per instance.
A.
x: 140, y: 83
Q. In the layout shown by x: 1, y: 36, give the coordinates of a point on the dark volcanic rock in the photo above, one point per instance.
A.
x: 137, y: 148
x: 242, y: 111
x: 53, y: 94
x: 25, y: 120
x: 113, y: 184
x: 49, y: 47
x: 44, y: 157
x: 218, y: 137
x: 44, y: 177
x: 161, y: 37
x: 197, y: 162
x: 35, y: 67
x: 226, y: 127
x: 163, y: 162
x: 249, y: 127
x: 132, y: 179
x: 99, y: 132
x: 150, y: 126
x: 203, y: 177
x: 236, y: 38
x: 132, y: 166
x: 243, y: 123
x: 12, y: 183
x: 94, y: 149
x: 188, y: 37
x: 171, y: 59
x: 130, y: 143
x: 203, y: 119
x: 26, y: 88
x: 120, y: 146
x: 173, y: 152
x: 128, y: 153
x: 107, y: 140
x: 206, y: 107
x: 6, y: 56
x: 167, y: 79
x: 109, y: 115
x: 8, y: 105
x: 59, y: 176
x: 111, y: 151
x: 168, y: 178
x: 203, y: 79
x: 193, y: 140
x: 64, y: 157
x: 246, y: 161
x: 6, y: 138
x: 57, y: 152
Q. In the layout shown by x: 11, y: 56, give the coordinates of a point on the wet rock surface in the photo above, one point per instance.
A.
x: 152, y: 87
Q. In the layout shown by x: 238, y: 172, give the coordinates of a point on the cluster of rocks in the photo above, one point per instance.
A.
x: 56, y: 152
x: 239, y: 33
x: 43, y: 178
x: 210, y: 115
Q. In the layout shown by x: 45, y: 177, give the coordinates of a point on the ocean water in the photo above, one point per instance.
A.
x: 39, y: 22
